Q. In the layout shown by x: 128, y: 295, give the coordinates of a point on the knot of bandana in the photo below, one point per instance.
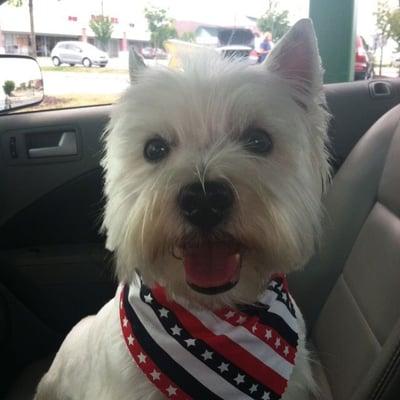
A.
x: 246, y: 352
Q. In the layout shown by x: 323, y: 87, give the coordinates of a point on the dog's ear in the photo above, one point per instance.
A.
x: 296, y: 58
x: 136, y: 64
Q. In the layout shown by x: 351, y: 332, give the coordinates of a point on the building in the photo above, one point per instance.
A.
x: 57, y: 20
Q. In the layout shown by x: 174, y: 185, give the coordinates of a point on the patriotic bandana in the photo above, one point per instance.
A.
x: 243, y: 353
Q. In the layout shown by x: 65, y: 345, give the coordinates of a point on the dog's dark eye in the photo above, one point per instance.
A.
x: 257, y: 141
x: 156, y: 149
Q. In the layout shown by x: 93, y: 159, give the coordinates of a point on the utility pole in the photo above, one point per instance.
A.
x: 33, y: 37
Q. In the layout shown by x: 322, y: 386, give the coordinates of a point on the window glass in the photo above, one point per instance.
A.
x: 96, y: 70
x: 378, y: 39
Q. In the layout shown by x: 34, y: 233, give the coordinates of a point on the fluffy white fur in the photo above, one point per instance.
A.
x: 202, y: 111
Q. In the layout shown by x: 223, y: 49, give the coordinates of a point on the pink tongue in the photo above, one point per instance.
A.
x: 212, y: 265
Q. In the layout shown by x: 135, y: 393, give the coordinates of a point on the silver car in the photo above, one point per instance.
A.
x: 75, y: 52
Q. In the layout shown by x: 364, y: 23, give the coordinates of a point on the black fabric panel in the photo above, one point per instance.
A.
x: 24, y: 338
x: 67, y: 215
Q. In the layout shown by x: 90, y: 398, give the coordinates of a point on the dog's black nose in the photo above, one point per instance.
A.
x: 205, y: 206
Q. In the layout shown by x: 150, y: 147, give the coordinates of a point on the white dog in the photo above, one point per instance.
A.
x: 214, y: 176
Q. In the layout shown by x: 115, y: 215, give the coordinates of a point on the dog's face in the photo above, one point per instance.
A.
x: 214, y: 175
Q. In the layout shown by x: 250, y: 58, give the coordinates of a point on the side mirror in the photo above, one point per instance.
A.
x: 21, y: 82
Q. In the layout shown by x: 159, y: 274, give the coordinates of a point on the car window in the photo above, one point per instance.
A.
x: 95, y: 69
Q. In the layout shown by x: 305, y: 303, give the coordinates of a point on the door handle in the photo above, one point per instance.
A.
x: 67, y: 146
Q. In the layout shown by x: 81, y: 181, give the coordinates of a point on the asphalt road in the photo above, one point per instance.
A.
x: 60, y: 83
x: 95, y: 81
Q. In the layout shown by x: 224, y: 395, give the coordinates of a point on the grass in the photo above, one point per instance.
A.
x: 72, y: 100
x: 92, y: 70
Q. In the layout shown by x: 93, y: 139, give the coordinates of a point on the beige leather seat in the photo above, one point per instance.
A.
x: 350, y: 292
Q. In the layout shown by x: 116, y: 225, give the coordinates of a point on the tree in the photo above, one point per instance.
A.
x: 394, y: 21
x: 102, y: 27
x: 188, y: 37
x: 382, y: 22
x: 274, y: 20
x: 160, y: 26
x: 8, y: 87
x: 32, y: 44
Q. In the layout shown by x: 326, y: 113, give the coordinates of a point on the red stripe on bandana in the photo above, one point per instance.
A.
x: 224, y: 345
x: 264, y: 332
x: 144, y: 362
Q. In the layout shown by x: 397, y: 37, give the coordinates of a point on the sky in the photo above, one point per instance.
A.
x: 229, y: 11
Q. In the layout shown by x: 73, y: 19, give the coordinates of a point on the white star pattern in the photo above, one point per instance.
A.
x: 142, y: 358
x: 223, y: 367
x: 155, y: 375
x: 176, y: 330
x: 148, y: 299
x: 207, y: 355
x: 253, y: 389
x: 210, y: 358
x: 286, y: 351
x: 190, y: 342
x: 163, y: 312
x: 171, y: 391
x: 239, y: 379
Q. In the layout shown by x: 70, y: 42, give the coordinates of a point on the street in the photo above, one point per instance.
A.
x: 113, y: 79
x: 67, y: 86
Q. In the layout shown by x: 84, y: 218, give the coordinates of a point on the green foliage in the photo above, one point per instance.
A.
x: 274, y: 20
x: 382, y: 21
x: 160, y: 25
x: 394, y: 21
x: 102, y: 27
x: 8, y: 87
x: 188, y: 37
x: 16, y: 3
x: 387, y: 21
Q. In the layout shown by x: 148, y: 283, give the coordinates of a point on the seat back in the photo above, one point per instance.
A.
x: 354, y: 310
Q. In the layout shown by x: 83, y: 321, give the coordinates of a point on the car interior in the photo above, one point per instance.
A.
x: 55, y: 269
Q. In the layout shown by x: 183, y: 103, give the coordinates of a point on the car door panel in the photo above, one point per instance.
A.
x: 24, y: 180
x: 65, y: 53
x: 50, y: 213
x: 354, y: 108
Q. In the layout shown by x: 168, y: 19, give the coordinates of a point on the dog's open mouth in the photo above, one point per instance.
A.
x: 212, y: 267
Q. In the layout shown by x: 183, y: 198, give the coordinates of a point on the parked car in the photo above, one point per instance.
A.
x: 235, y: 42
x: 363, y: 65
x: 75, y: 52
